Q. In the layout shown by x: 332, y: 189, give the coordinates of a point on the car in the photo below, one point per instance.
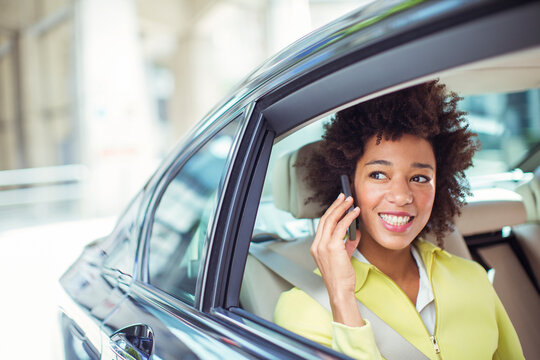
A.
x: 180, y: 276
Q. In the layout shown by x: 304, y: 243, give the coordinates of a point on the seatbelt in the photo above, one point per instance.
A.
x: 390, y: 343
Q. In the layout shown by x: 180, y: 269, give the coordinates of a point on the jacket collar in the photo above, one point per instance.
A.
x: 427, y: 251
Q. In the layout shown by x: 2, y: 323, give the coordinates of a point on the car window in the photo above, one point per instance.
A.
x: 180, y: 223
x: 508, y: 126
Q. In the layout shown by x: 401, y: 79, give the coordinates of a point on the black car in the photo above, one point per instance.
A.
x: 176, y: 279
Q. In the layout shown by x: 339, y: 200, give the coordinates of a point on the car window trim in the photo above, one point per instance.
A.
x: 229, y: 179
x: 253, y: 149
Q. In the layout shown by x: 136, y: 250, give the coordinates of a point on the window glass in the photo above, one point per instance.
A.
x: 182, y: 216
x: 508, y: 126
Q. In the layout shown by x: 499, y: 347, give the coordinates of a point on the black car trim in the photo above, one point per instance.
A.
x: 379, y: 37
x: 251, y: 207
x: 228, y: 179
x: 224, y: 255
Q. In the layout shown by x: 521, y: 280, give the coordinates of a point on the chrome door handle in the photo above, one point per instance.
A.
x: 134, y: 342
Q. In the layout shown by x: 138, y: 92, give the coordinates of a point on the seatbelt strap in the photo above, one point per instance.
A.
x: 390, y: 343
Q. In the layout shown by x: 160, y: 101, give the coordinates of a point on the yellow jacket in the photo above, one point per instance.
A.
x: 471, y: 322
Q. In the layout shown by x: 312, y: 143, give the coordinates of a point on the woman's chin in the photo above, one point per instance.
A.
x: 393, y: 242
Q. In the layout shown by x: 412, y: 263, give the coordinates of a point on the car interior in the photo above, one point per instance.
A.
x: 499, y: 227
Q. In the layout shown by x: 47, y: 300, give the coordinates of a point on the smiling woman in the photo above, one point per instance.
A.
x: 405, y: 154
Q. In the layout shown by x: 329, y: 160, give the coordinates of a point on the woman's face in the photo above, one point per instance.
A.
x: 395, y: 188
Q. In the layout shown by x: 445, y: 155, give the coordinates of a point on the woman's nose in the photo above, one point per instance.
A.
x: 399, y: 192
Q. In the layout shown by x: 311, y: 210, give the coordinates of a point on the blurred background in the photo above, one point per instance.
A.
x: 93, y: 94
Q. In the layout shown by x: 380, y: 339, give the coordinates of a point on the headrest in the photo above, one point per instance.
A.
x: 489, y: 210
x: 289, y: 189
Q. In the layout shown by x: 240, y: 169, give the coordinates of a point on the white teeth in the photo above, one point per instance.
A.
x: 395, y: 220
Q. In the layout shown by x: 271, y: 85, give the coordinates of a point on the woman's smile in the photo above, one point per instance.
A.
x: 396, y: 221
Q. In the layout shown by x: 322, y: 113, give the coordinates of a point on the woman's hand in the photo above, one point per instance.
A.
x: 333, y: 257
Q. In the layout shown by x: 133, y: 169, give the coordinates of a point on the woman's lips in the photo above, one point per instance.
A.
x: 396, y: 222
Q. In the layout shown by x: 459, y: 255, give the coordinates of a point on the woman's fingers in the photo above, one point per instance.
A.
x: 337, y: 216
x: 322, y: 222
x: 333, y: 226
x: 342, y: 225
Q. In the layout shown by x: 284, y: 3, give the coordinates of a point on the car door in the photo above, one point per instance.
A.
x: 159, y: 315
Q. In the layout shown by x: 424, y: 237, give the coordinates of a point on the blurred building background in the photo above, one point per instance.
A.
x: 93, y: 93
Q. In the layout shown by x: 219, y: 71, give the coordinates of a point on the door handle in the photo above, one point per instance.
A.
x: 134, y: 342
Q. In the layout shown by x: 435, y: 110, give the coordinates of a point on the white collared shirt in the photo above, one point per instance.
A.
x: 425, y: 301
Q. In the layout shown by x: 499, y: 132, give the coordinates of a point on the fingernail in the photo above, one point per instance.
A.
x: 356, y: 209
x: 340, y: 196
x: 349, y: 198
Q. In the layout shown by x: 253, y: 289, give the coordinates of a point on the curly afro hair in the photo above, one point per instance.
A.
x: 427, y: 111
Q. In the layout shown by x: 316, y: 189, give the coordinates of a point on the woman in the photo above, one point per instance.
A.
x: 405, y: 155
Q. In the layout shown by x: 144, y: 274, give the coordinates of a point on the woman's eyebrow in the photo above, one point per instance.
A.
x: 421, y: 166
x: 379, y: 162
x: 388, y: 163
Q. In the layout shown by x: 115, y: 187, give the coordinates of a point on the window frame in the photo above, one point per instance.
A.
x: 161, y: 185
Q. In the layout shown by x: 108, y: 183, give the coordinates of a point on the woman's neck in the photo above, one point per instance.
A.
x: 399, y: 265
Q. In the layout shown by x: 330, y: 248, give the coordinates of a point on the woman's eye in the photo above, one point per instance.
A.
x: 420, y: 179
x: 377, y: 175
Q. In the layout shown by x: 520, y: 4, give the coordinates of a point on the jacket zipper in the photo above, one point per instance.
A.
x: 434, y: 337
x: 435, y: 345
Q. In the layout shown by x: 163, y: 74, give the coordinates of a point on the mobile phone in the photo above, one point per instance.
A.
x: 346, y: 187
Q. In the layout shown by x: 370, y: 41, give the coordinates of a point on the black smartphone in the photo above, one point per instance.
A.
x: 346, y: 187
